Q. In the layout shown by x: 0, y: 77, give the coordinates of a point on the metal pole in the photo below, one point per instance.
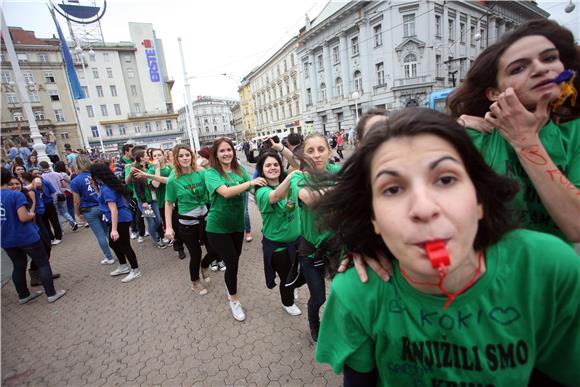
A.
x: 356, y: 110
x: 39, y: 146
x: 191, y: 130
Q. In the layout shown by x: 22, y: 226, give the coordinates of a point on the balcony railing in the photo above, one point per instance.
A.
x: 151, y: 113
x: 402, y: 82
x: 12, y: 125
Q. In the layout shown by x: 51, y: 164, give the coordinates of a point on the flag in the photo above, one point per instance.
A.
x: 73, y: 79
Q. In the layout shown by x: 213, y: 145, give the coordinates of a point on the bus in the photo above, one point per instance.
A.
x: 437, y: 99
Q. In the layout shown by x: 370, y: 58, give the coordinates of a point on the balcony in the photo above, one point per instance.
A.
x: 405, y: 83
x: 145, y: 114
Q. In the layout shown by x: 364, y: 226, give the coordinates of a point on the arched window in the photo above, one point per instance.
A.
x: 323, y: 92
x: 339, y: 88
x: 410, y: 66
x: 358, y: 86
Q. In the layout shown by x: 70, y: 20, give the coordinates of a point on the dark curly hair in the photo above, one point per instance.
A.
x: 262, y: 159
x: 470, y: 98
x: 102, y: 174
x: 347, y: 208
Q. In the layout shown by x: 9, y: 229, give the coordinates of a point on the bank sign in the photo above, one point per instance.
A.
x: 151, y: 60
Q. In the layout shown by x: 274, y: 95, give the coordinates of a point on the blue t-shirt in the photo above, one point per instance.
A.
x: 39, y: 202
x: 82, y: 186
x: 51, y: 148
x: 70, y: 158
x: 108, y: 195
x: 47, y: 191
x: 15, y: 233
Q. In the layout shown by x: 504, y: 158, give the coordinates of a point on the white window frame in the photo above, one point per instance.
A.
x: 354, y: 45
x: 95, y: 73
x: 90, y: 111
x: 117, y: 108
x: 104, y: 111
x: 113, y: 90
x: 380, y: 71
x: 378, y: 35
x: 410, y: 66
x: 100, y: 92
x: 409, y: 25
x: 358, y: 81
x: 58, y: 115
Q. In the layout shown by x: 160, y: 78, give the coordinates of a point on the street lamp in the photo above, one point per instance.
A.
x: 356, y: 96
x: 570, y: 7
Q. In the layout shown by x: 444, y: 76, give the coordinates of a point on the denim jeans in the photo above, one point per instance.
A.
x: 18, y: 256
x: 247, y: 225
x: 154, y: 224
x: 315, y: 281
x: 94, y: 218
x: 62, y: 210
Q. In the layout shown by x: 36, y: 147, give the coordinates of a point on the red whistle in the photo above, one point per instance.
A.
x: 437, y: 254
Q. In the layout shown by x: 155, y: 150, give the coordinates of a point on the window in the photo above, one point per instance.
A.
x: 137, y: 107
x: 335, y: 55
x: 306, y: 74
x: 22, y: 58
x: 95, y: 131
x: 438, y: 29
x: 285, y: 65
x: 292, y: 60
x: 43, y: 58
x: 323, y: 92
x: 289, y: 109
x: 113, y: 90
x: 410, y: 66
x: 12, y: 98
x: 33, y: 96
x: 380, y: 69
x: 28, y: 77
x: 320, y: 62
x: 438, y: 66
x: 39, y: 114
x: 6, y: 77
x: 64, y: 136
x: 472, y: 35
x: 497, y: 30
x: 354, y: 44
x: 104, y: 112
x: 58, y: 115
x: 451, y: 29
x: 122, y: 129
x: 133, y: 90
x: 95, y: 73
x: 90, y: 111
x: 378, y: 31
x: 48, y: 77
x: 297, y: 107
x: 168, y: 125
x: 128, y: 59
x: 280, y: 90
x: 358, y: 81
x: 109, y: 72
x: 339, y: 89
x: 462, y: 32
x: 108, y: 130
x: 130, y: 73
x: 100, y: 91
x: 92, y: 57
x: 17, y: 116
x: 117, y: 109
x: 148, y: 127
x: 483, y: 38
x: 409, y: 25
x: 308, y: 96
x: 106, y: 56
x: 158, y: 124
x: 137, y: 128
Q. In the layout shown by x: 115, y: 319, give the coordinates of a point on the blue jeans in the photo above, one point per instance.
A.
x: 18, y: 256
x: 70, y: 205
x: 62, y: 210
x: 315, y: 281
x: 247, y: 225
x: 153, y: 224
x: 99, y: 227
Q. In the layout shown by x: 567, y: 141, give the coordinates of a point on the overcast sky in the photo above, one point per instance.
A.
x: 218, y: 36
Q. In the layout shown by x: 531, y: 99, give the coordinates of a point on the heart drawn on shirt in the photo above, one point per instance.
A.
x: 504, y: 316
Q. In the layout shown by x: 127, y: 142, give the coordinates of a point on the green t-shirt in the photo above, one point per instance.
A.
x: 130, y: 186
x: 562, y: 142
x: 308, y: 223
x: 160, y: 191
x: 279, y: 223
x: 524, y: 313
x: 225, y: 215
x: 188, y: 191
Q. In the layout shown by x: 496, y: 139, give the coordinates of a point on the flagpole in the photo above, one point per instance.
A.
x: 38, y: 146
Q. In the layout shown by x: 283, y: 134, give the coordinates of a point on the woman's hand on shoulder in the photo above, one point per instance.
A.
x: 381, y: 266
x: 519, y: 126
x: 258, y: 181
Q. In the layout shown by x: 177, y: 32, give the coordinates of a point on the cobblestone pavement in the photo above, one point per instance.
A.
x: 155, y: 330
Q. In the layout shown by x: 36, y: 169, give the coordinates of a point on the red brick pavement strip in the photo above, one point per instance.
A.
x: 155, y: 330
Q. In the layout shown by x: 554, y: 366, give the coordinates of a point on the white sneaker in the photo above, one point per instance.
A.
x: 134, y: 274
x: 222, y: 266
x: 197, y: 286
x: 237, y: 310
x: 146, y: 233
x: 57, y: 295
x: 107, y: 261
x: 292, y: 310
x: 248, y: 237
x: 56, y: 242
x: 140, y: 239
x: 134, y: 235
x: 122, y: 269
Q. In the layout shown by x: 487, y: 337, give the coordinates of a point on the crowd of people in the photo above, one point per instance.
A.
x: 465, y: 220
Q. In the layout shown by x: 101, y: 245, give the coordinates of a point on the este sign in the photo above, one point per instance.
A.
x: 151, y: 61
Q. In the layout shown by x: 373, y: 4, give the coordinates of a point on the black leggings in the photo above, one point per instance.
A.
x: 281, y: 265
x: 189, y: 235
x: 228, y: 247
x: 122, y: 246
x: 50, y: 217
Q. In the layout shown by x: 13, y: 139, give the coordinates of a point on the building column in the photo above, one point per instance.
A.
x: 327, y: 72
x: 313, y: 78
x: 364, y: 54
x: 345, y: 72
